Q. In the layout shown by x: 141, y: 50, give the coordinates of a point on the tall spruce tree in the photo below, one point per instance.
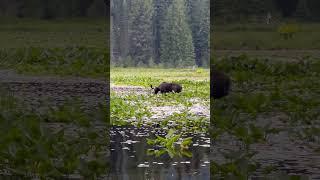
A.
x: 160, y: 9
x: 140, y: 31
x: 119, y: 30
x: 199, y: 14
x: 176, y: 42
x: 115, y: 30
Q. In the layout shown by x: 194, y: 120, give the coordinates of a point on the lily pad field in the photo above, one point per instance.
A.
x: 53, y: 99
x: 162, y: 136
x: 269, y: 125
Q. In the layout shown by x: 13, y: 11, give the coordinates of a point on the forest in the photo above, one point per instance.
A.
x: 256, y: 10
x: 162, y: 33
x: 52, y: 9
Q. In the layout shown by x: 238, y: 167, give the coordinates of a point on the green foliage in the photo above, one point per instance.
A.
x: 64, y: 141
x: 199, y: 22
x: 177, y: 44
x: 167, y: 31
x: 136, y: 107
x: 32, y: 149
x: 70, y: 61
x: 122, y: 110
x: 168, y: 143
x: 240, y: 166
x: 253, y: 36
x: 262, y: 88
x: 140, y: 34
x: 62, y: 33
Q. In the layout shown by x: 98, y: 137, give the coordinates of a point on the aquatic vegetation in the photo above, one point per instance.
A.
x: 140, y: 106
x: 170, y: 120
x: 51, y: 145
x: 122, y: 109
x: 268, y: 97
x: 67, y: 61
x: 186, y: 122
x: 64, y: 141
x: 167, y: 145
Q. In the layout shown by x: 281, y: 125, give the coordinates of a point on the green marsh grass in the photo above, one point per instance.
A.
x: 21, y: 33
x: 264, y: 37
x: 195, y: 86
x: 32, y: 149
x: 62, y: 47
x: 134, y: 108
x: 68, y: 61
x: 264, y: 88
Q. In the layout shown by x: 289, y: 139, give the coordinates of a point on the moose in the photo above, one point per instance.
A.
x: 165, y: 87
x: 220, y: 84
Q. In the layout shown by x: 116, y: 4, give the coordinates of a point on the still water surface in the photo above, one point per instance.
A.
x: 130, y: 161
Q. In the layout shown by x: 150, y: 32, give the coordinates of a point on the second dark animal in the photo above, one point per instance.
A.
x: 220, y: 84
x: 167, y: 87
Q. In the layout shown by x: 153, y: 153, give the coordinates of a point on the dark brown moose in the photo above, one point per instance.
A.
x: 220, y: 84
x: 167, y: 87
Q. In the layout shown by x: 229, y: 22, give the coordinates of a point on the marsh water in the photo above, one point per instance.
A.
x: 130, y: 159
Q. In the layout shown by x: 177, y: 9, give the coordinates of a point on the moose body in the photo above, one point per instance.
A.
x: 167, y: 87
x: 220, y: 85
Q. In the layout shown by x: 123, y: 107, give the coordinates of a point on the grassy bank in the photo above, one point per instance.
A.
x: 68, y: 61
x: 18, y: 33
x: 264, y: 37
x: 73, y: 47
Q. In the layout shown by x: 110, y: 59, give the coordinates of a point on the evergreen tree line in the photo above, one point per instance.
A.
x: 166, y: 33
x: 50, y: 9
x: 232, y: 10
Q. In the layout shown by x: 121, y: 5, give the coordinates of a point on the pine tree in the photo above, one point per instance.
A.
x: 176, y: 43
x: 160, y: 9
x: 140, y: 31
x: 115, y: 31
x: 200, y: 25
x: 119, y: 30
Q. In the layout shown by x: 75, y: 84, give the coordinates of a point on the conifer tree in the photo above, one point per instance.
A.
x: 199, y: 14
x: 140, y: 31
x: 160, y: 9
x: 176, y: 42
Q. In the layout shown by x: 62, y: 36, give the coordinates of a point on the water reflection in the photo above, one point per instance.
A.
x: 129, y: 159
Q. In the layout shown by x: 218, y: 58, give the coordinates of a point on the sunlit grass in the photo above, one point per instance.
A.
x: 195, y: 84
x: 145, y: 76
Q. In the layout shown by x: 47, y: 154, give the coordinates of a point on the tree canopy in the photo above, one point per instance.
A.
x: 168, y: 33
